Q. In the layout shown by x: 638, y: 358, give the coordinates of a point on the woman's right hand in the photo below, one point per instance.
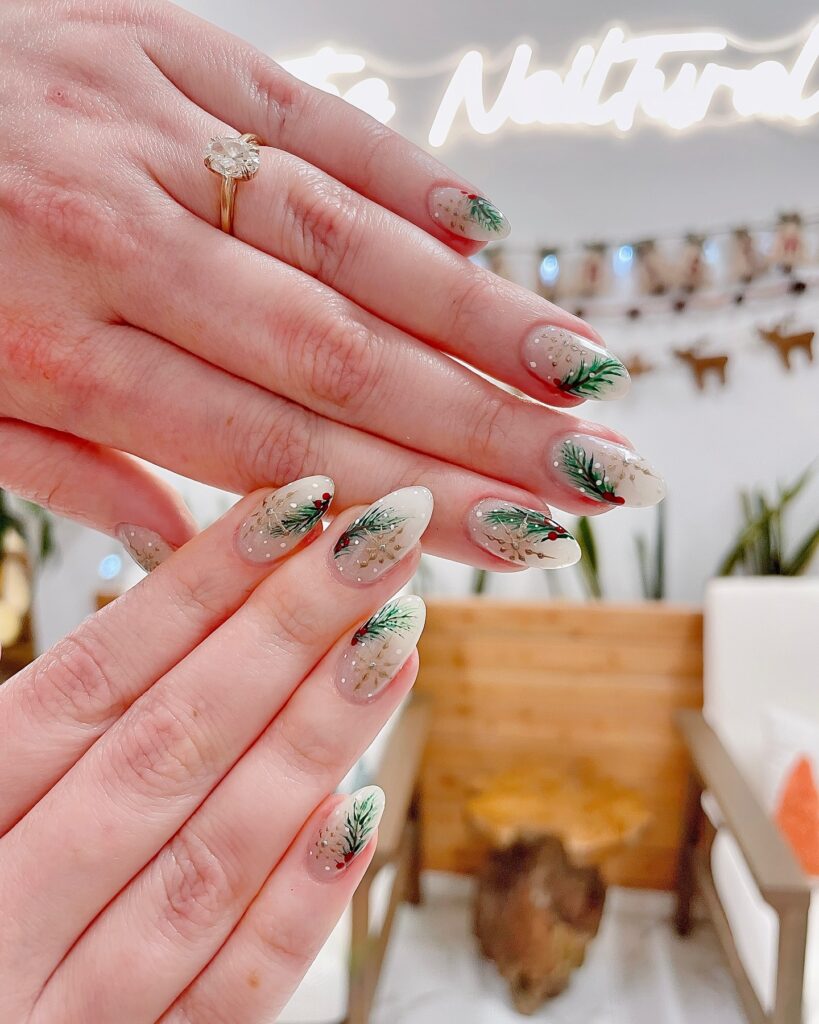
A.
x: 323, y: 333
x: 168, y: 846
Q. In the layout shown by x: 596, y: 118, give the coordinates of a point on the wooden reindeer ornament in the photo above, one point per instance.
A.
x: 637, y: 367
x: 786, y: 343
x: 702, y: 365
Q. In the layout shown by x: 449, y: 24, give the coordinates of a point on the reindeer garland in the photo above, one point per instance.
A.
x: 786, y: 343
x: 703, y: 366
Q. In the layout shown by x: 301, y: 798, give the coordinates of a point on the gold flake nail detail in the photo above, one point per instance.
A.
x: 380, y: 538
x: 468, y: 214
x: 345, y: 833
x: 284, y: 518
x: 379, y: 648
x: 522, y: 535
x: 145, y: 546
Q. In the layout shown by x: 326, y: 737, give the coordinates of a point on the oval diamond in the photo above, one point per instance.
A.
x: 232, y: 158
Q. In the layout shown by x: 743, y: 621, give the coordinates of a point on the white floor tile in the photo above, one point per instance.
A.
x: 637, y: 971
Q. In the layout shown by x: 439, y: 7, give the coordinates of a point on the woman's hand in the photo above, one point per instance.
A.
x: 322, y: 333
x: 168, y: 849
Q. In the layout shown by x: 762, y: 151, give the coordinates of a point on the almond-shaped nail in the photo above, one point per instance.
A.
x: 391, y: 526
x: 284, y: 518
x: 145, y: 546
x: 345, y: 833
x: 521, y: 535
x: 379, y: 648
x: 573, y: 365
x: 468, y: 214
x: 606, y: 472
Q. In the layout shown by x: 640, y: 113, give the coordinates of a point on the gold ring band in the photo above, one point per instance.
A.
x: 234, y: 160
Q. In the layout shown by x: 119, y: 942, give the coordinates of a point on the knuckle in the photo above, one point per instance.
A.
x: 474, y: 301
x: 305, y: 751
x: 488, y: 428
x: 319, y: 227
x: 69, y: 217
x: 163, y: 751
x: 199, y: 887
x: 293, y: 624
x: 197, y: 592
x: 277, y: 448
x: 375, y: 141
x: 286, y: 943
x: 280, y: 96
x: 75, y: 681
x: 340, y: 361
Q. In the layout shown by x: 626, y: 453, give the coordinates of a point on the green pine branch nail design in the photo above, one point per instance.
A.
x: 527, y: 521
x: 395, y: 618
x: 358, y: 825
x: 580, y: 467
x: 590, y: 380
x: 301, y: 519
x: 485, y: 214
x: 376, y: 520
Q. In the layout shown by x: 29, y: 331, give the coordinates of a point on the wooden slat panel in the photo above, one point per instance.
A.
x: 511, y: 683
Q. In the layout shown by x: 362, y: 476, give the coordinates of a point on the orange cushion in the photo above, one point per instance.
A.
x: 797, y: 814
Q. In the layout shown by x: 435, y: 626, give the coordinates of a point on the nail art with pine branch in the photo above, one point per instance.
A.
x: 468, y: 214
x: 380, y: 537
x: 606, y: 472
x: 573, y: 365
x: 379, y: 648
x: 284, y: 518
x: 521, y: 535
x: 346, y: 833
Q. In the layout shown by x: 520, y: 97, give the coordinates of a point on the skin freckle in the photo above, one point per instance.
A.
x: 253, y: 979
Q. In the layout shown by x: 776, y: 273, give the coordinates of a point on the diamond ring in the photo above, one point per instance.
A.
x: 234, y: 160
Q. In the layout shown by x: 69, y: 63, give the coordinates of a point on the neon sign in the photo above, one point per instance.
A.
x: 664, y: 79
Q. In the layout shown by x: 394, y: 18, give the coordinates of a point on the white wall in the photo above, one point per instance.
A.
x: 564, y: 186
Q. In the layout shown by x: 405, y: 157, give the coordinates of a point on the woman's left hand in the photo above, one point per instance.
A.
x: 168, y: 846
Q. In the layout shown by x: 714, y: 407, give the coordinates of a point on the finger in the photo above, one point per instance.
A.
x: 93, y: 485
x: 260, y: 966
x: 323, y: 352
x: 295, y: 212
x: 56, y: 708
x: 137, y: 785
x: 228, y: 847
x: 241, y: 86
x: 239, y: 436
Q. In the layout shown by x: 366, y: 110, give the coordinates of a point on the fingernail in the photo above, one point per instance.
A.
x: 379, y: 648
x: 467, y: 214
x: 284, y: 518
x: 383, y: 534
x: 145, y: 546
x: 521, y: 535
x: 573, y: 365
x: 606, y: 472
x: 346, y: 832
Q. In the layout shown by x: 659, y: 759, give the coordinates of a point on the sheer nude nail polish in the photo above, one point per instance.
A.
x: 345, y: 833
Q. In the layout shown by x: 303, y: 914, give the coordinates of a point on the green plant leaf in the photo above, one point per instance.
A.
x: 803, y: 556
x: 588, y: 563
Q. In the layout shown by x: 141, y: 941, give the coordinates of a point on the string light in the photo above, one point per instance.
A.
x: 549, y: 269
x: 623, y: 257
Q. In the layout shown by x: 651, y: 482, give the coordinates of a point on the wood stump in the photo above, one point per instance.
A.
x: 535, y: 914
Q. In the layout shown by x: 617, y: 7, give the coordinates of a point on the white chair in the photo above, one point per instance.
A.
x: 761, y: 660
x: 340, y: 985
